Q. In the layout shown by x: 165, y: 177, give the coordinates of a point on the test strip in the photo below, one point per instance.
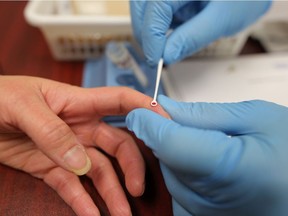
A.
x: 159, y: 71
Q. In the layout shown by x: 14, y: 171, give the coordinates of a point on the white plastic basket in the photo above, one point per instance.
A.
x: 72, y: 37
x: 76, y: 37
x: 225, y: 47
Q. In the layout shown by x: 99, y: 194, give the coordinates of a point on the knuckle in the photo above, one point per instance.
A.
x: 55, y: 131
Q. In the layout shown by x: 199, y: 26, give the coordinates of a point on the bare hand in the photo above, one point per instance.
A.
x: 54, y: 131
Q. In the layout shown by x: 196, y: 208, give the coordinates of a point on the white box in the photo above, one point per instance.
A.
x: 235, y: 79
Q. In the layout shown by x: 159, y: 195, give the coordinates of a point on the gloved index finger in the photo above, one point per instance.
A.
x: 157, y: 20
x: 230, y: 118
x: 137, y: 9
x: 186, y: 149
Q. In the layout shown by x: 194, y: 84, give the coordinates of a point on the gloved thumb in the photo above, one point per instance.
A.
x: 182, y: 148
x: 179, y: 210
x: 218, y: 19
x: 54, y: 137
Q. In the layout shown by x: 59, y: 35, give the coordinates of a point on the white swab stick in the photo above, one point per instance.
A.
x: 159, y: 71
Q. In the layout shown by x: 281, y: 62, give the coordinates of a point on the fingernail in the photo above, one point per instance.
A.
x: 77, y: 160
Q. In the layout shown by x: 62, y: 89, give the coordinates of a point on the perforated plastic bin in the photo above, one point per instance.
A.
x: 76, y: 36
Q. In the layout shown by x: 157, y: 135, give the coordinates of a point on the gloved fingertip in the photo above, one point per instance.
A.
x: 170, y: 59
x: 153, y: 51
x: 166, y: 102
x: 172, y: 53
x: 77, y: 160
x: 129, y: 120
x: 162, y: 98
x: 152, y: 61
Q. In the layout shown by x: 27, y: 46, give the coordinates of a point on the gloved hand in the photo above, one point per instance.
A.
x: 220, y: 159
x: 196, y: 24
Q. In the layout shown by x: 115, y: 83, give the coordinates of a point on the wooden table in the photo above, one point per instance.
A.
x: 23, y: 51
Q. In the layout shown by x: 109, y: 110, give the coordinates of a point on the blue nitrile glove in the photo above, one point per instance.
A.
x: 228, y: 159
x: 196, y: 24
